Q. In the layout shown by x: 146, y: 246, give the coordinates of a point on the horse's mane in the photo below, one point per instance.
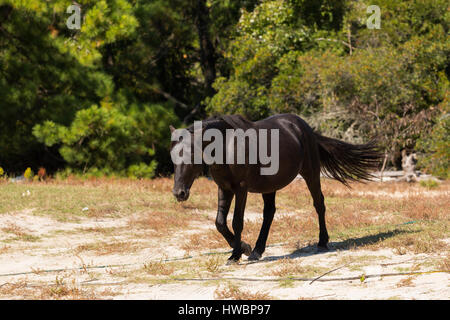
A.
x: 236, y: 121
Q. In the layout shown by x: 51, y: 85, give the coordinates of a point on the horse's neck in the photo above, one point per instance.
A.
x: 237, y: 122
x: 218, y: 124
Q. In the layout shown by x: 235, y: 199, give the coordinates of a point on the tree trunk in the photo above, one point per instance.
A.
x: 5, y: 11
x: 207, y: 50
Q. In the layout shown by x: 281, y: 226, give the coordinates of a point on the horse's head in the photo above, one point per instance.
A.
x: 185, y: 171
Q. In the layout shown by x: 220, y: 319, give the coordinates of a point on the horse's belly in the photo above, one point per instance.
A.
x: 289, y: 163
x: 268, y: 184
x: 258, y: 183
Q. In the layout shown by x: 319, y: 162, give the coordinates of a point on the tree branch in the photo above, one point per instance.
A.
x: 168, y: 96
x: 338, y: 41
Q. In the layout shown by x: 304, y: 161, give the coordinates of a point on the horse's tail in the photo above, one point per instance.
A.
x: 347, y: 162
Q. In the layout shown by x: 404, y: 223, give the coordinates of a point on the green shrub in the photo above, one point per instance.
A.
x: 429, y: 184
x: 103, y: 141
x: 437, y: 148
x: 28, y: 174
x: 142, y: 170
x: 346, y: 80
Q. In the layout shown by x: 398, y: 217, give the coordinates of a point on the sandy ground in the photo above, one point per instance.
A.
x: 54, y: 260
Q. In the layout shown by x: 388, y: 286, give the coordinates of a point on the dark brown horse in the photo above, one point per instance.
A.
x: 301, y: 151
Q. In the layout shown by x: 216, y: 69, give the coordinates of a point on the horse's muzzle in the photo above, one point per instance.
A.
x: 181, y: 195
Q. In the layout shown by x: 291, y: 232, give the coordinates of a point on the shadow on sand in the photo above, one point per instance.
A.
x: 338, y: 246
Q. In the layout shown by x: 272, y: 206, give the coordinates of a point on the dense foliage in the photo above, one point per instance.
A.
x: 350, y: 81
x: 99, y: 100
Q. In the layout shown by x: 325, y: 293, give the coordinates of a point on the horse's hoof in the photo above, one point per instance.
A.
x: 246, y: 248
x: 232, y: 261
x: 255, y: 256
x: 322, y: 248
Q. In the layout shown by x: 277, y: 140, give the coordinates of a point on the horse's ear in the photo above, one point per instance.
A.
x: 172, y: 129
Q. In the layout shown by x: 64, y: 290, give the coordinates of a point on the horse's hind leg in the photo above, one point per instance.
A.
x: 269, y: 212
x: 312, y: 178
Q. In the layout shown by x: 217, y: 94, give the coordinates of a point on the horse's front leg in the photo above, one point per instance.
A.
x: 239, y: 247
x: 225, y: 198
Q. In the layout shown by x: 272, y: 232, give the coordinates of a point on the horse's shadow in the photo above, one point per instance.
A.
x: 348, y: 244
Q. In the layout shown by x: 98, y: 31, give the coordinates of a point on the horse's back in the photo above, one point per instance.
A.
x: 284, y: 121
x: 291, y: 131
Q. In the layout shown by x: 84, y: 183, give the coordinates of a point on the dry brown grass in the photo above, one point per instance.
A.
x: 103, y: 211
x: 64, y: 200
x: 209, y: 239
x: 64, y: 290
x: 61, y: 289
x: 159, y: 268
x: 15, y: 229
x: 213, y: 264
x: 293, y: 267
x: 100, y: 230
x: 161, y: 223
x: 444, y: 264
x: 359, y: 217
x: 20, y: 233
x: 288, y: 268
x: 417, y: 242
x: 108, y: 248
x: 193, y: 242
x: 407, y: 282
x: 4, y: 249
x: 232, y: 292
x: 363, y: 216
